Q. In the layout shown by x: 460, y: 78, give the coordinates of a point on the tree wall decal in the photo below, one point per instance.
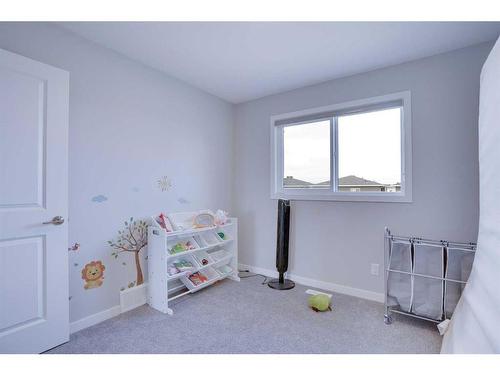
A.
x: 133, y: 238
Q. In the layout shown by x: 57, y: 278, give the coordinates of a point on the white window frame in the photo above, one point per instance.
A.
x: 278, y: 122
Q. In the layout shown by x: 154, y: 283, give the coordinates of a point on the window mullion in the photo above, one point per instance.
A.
x: 281, y: 158
x: 334, y: 163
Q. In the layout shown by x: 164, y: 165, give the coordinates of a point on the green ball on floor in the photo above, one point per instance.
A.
x: 320, y: 302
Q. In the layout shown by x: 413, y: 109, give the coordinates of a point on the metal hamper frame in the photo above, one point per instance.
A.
x: 388, y: 238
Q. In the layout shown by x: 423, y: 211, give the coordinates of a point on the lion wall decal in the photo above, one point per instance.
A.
x: 93, y: 274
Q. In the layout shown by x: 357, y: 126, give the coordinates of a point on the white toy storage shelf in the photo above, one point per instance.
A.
x: 212, y: 259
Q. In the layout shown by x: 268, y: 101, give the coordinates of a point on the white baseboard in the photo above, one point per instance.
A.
x: 133, y: 297
x: 129, y: 299
x: 94, y: 319
x: 342, y: 289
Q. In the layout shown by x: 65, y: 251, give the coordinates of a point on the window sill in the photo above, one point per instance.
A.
x: 345, y: 197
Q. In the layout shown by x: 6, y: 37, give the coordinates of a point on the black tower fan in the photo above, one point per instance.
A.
x: 282, y: 247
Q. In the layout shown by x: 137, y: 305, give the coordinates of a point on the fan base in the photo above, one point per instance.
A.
x: 285, y: 285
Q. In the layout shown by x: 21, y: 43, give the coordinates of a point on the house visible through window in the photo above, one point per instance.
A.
x: 347, y: 153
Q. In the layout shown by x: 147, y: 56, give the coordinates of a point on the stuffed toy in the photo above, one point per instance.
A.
x: 320, y: 302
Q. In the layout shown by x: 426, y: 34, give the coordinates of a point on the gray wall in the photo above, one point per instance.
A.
x: 335, y: 242
x: 129, y: 125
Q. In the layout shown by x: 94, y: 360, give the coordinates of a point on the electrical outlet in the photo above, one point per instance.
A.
x: 374, y: 269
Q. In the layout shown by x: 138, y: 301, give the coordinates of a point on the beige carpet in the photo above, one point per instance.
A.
x: 248, y: 317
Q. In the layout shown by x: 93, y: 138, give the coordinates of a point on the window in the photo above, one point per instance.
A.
x: 356, y: 151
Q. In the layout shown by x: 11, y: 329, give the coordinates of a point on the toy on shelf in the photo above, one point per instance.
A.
x: 203, y: 258
x: 178, y: 248
x: 164, y: 222
x: 220, y: 217
x: 198, y: 278
x: 181, y: 221
x: 185, y: 245
x: 222, y: 236
x: 203, y: 220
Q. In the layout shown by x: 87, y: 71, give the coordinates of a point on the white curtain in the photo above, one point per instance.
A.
x: 475, y: 326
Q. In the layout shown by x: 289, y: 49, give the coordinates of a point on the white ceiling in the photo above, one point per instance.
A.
x: 244, y: 61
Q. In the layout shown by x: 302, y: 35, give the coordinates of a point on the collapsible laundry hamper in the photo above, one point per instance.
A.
x: 425, y: 278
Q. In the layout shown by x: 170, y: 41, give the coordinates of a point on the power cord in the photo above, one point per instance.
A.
x: 251, y: 274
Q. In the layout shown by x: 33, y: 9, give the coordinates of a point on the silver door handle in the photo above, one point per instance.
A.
x: 56, y: 220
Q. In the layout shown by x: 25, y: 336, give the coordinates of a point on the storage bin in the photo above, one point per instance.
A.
x: 399, y: 285
x: 224, y: 270
x: 200, y: 241
x: 183, y: 271
x: 200, y: 256
x: 210, y: 239
x: 428, y: 292
x: 458, y: 267
x: 208, y: 272
x: 218, y: 254
x: 182, y: 220
x: 223, y: 236
x: 182, y: 245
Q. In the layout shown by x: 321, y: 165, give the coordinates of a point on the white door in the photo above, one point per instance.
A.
x: 33, y: 189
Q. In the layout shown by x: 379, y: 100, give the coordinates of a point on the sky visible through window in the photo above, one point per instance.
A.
x: 307, y: 152
x: 369, y: 148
